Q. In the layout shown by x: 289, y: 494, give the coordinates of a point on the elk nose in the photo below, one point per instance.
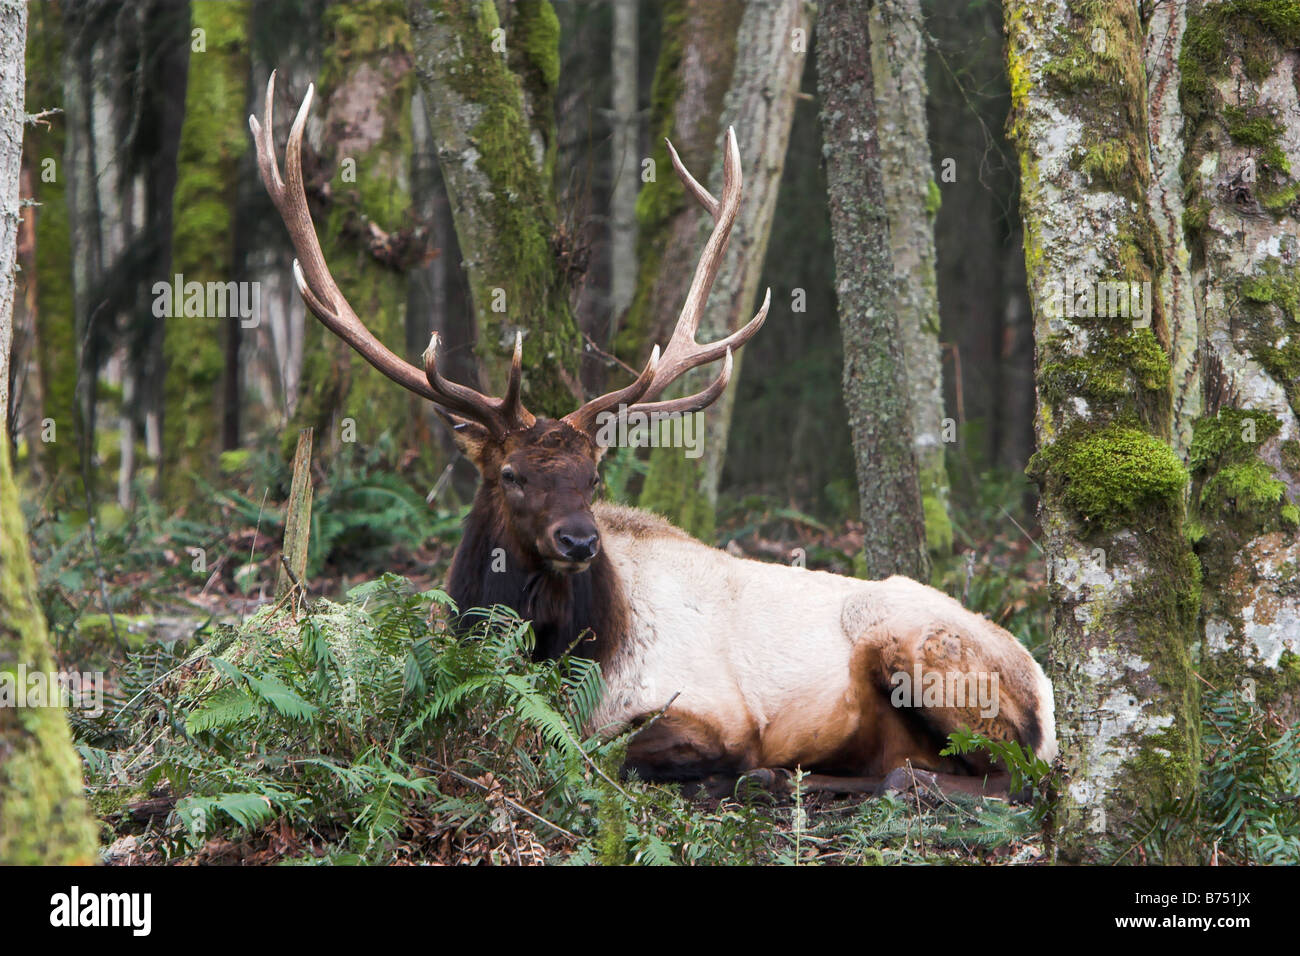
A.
x: 577, y: 545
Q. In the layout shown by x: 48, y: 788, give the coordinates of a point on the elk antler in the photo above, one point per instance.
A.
x: 321, y: 293
x: 683, y: 352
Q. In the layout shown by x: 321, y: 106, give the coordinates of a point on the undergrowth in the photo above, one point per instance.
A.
x: 365, y: 731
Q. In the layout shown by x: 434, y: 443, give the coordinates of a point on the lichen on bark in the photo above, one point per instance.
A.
x: 1242, y: 141
x: 1124, y: 584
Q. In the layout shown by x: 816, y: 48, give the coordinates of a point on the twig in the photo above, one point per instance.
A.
x: 520, y: 807
x: 41, y: 118
x: 284, y: 562
x: 614, y: 359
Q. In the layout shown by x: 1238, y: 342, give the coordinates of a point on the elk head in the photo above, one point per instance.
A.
x: 539, y: 474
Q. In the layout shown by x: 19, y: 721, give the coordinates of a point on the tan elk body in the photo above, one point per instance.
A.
x: 732, y: 665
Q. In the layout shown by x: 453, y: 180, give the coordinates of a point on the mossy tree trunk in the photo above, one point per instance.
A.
x: 875, y: 392
x: 491, y: 113
x: 51, y: 276
x: 1236, y: 76
x: 363, y: 166
x: 1122, y: 579
x: 911, y: 201
x: 43, y: 815
x: 213, y: 140
x: 770, y: 44
x: 697, y: 51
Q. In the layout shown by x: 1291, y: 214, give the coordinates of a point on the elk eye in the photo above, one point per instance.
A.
x: 509, y: 477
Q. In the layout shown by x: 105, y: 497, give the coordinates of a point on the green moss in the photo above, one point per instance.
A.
x: 1107, y: 161
x: 55, y: 313
x: 1254, y: 33
x: 213, y: 139
x: 1111, y: 372
x: 43, y: 816
x: 1111, y: 474
x: 1259, y: 131
x: 1232, y: 483
x: 933, y: 199
x: 1274, y: 339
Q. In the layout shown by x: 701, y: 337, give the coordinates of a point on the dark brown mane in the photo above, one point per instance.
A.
x: 585, y: 613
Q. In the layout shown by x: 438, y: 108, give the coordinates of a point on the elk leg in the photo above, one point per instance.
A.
x: 945, y: 679
x: 909, y: 779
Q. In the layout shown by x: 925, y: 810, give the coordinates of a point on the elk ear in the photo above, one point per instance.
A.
x: 471, y: 437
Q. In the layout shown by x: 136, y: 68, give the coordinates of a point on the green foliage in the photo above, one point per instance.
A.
x: 1248, y: 811
x: 372, y: 733
x: 998, y: 570
x: 1027, y: 769
x: 1251, y: 783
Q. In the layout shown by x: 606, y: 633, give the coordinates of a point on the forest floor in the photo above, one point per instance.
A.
x: 370, y: 734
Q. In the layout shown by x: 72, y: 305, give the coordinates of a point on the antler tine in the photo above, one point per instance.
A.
x: 510, y: 406
x: 321, y: 293
x: 498, y: 415
x: 691, y: 403
x: 587, y: 418
x: 683, y: 353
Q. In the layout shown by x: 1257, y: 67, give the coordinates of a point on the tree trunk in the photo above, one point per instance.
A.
x: 627, y: 170
x: 56, y: 345
x: 213, y: 140
x: 1123, y: 582
x: 42, y: 808
x: 875, y: 392
x: 697, y: 52
x: 771, y: 42
x: 120, y: 68
x: 495, y: 138
x: 1240, y: 419
x: 362, y: 166
x: 911, y: 197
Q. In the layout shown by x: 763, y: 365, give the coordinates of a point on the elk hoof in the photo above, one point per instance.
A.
x: 904, y: 780
x: 765, y: 778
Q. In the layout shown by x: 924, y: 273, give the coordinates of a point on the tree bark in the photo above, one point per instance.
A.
x: 56, y: 345
x: 1122, y: 580
x: 626, y: 168
x: 213, y: 141
x: 496, y: 150
x: 43, y: 815
x: 1238, y: 293
x: 697, y: 52
x: 875, y: 392
x: 362, y: 169
x: 911, y: 197
x: 771, y: 42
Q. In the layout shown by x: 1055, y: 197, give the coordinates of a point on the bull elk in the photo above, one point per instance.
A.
x: 768, y: 667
